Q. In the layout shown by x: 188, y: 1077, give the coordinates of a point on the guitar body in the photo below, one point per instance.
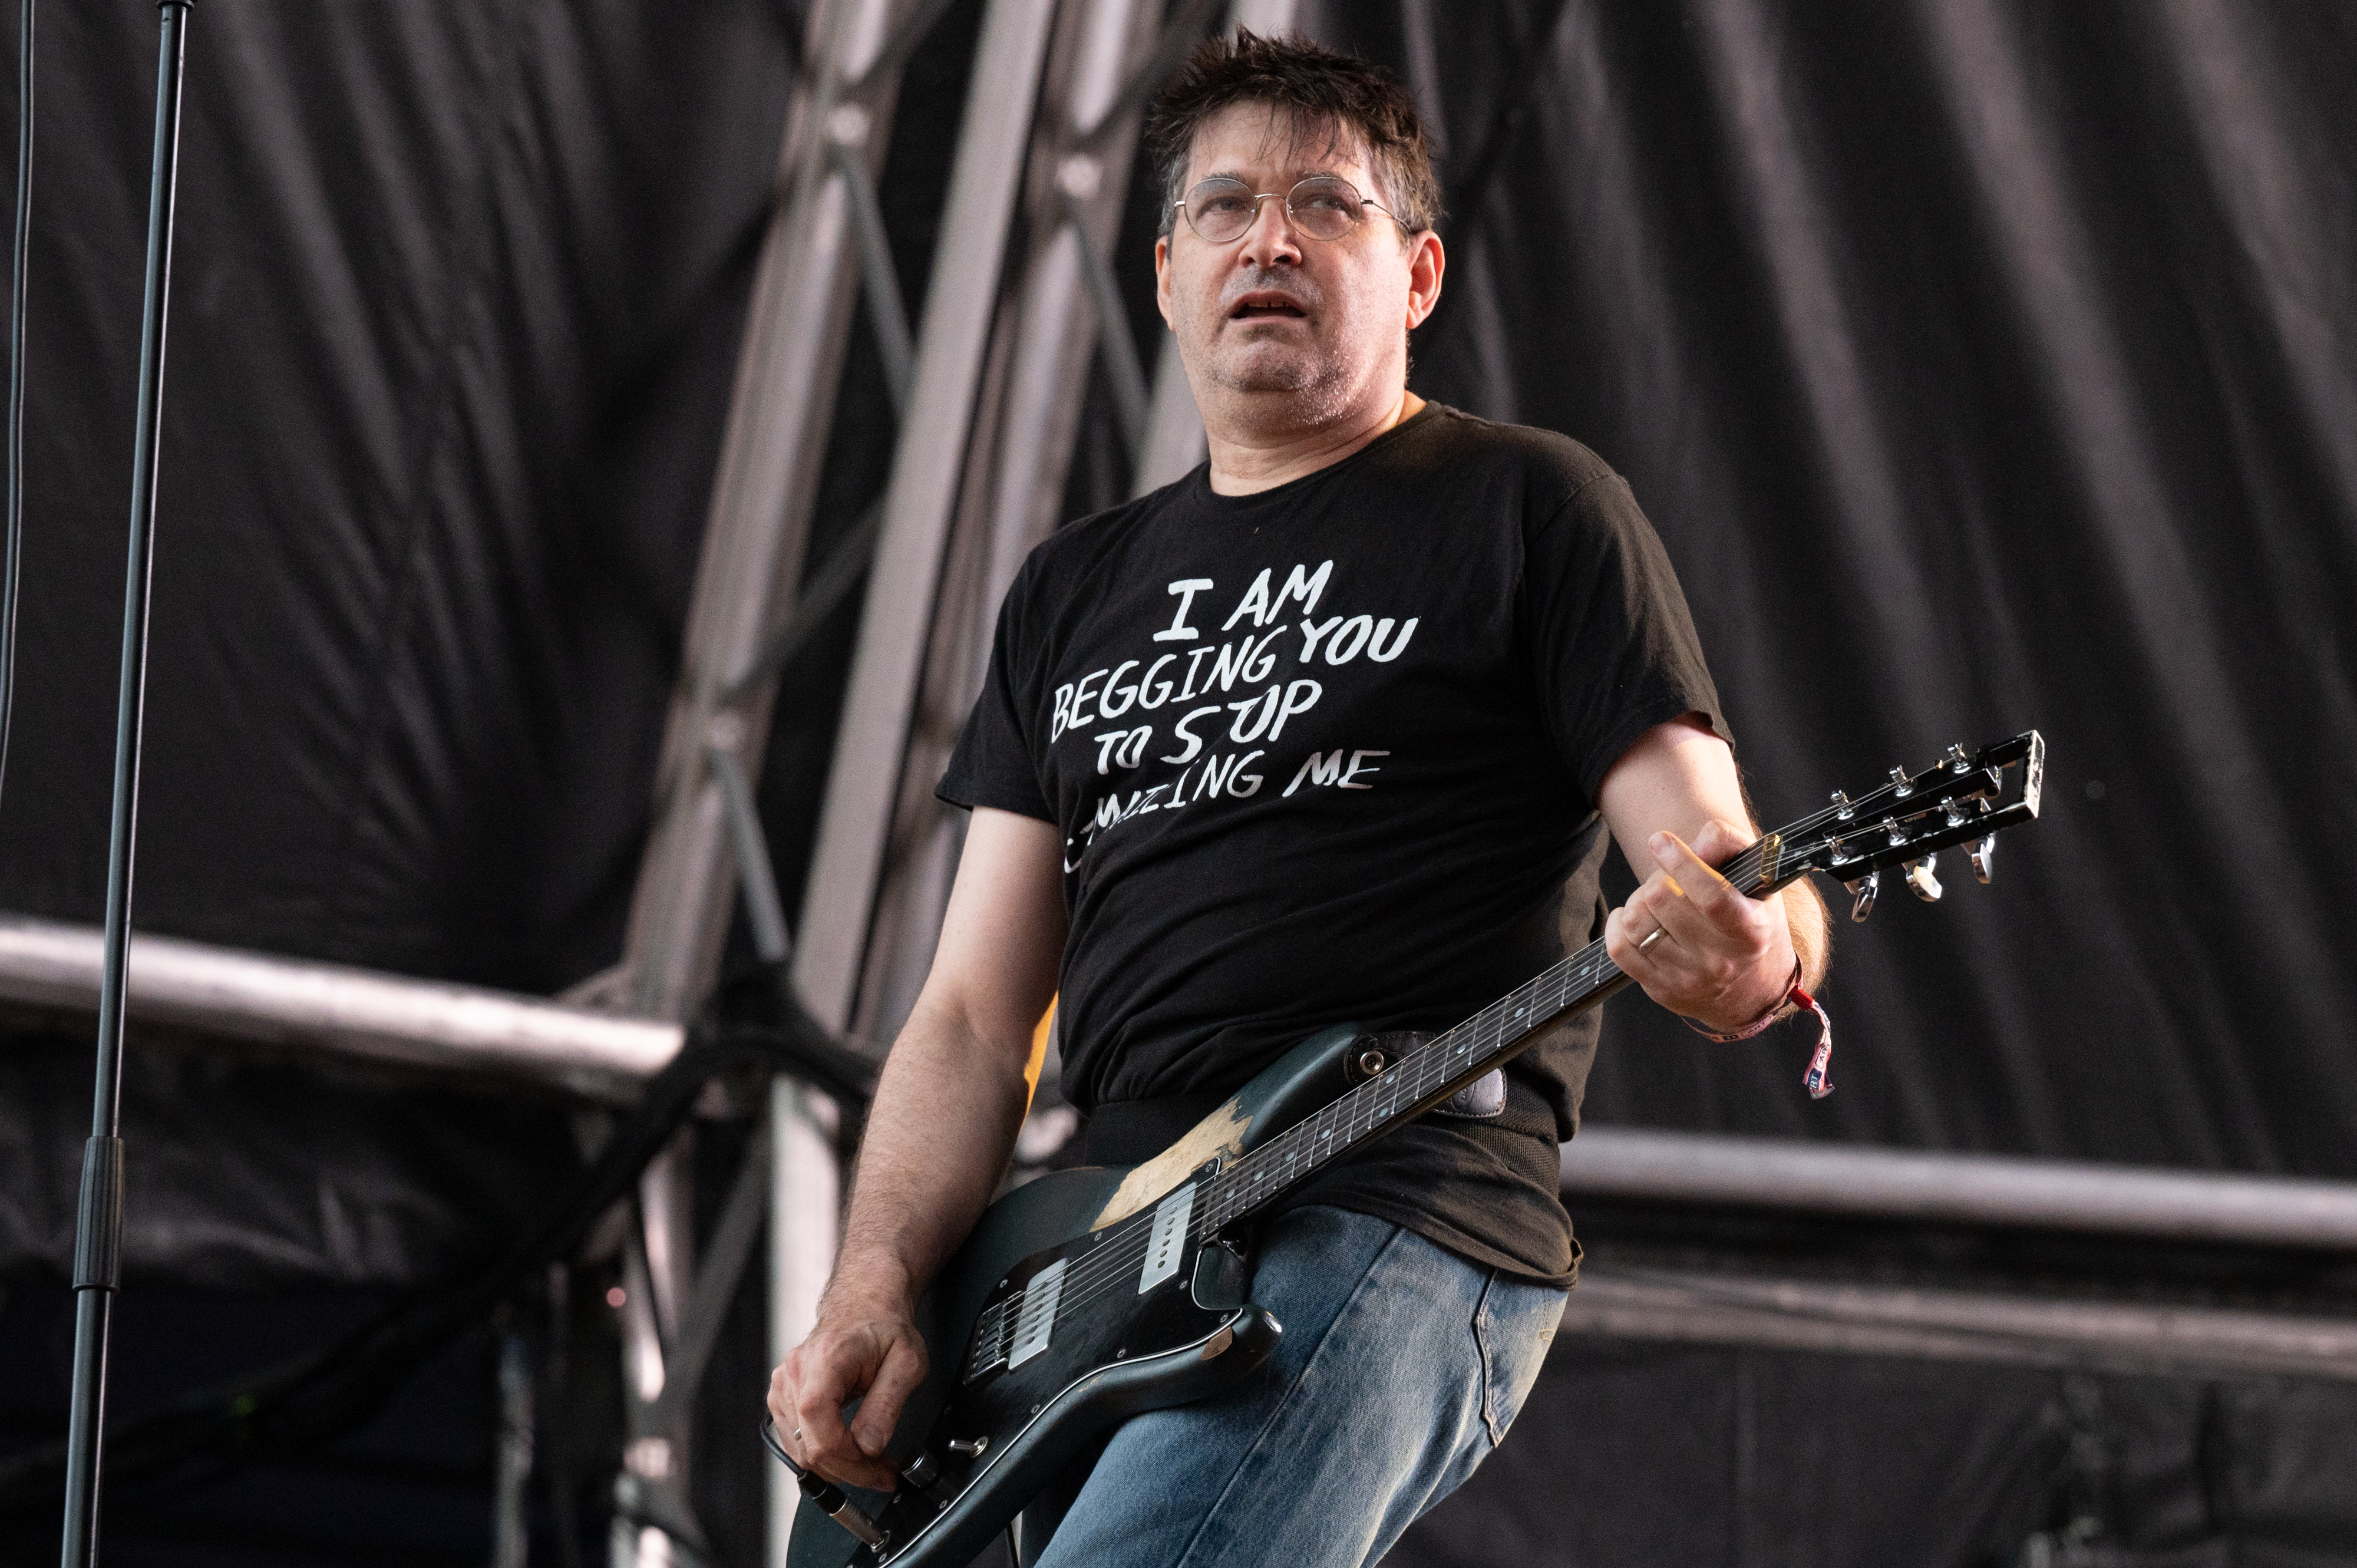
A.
x: 1013, y: 1396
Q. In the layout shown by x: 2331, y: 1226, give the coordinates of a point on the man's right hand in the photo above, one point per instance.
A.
x: 864, y: 1350
x: 939, y: 1136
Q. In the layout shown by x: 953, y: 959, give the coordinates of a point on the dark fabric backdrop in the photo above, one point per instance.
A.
x: 455, y: 315
x: 1985, y: 365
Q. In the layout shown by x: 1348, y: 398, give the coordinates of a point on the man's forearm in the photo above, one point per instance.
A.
x: 939, y: 1135
x: 1805, y: 912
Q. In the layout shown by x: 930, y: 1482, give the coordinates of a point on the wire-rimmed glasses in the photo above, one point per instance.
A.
x: 1324, y: 206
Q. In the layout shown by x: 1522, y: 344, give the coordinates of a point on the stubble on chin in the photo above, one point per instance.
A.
x: 1252, y: 372
x: 1296, y: 373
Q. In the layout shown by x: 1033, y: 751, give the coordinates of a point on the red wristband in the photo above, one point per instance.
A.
x: 1818, y: 1079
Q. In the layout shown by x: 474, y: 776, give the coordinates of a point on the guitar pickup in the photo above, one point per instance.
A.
x: 1168, y: 1243
x: 1037, y: 1320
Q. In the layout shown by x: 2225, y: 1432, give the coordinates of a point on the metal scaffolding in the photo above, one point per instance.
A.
x: 994, y: 488
x: 824, y: 239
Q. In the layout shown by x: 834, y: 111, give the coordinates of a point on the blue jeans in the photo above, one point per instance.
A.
x: 1400, y: 1368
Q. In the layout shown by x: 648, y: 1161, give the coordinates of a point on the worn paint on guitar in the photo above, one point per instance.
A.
x: 1304, y: 1078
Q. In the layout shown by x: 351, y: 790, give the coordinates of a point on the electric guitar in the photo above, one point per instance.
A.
x: 1086, y: 1296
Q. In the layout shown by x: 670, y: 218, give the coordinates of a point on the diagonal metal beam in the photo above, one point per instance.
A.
x: 718, y: 1274
x: 788, y: 369
x: 918, y: 505
x: 1058, y: 307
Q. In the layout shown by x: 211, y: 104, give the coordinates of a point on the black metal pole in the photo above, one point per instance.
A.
x: 98, y: 1242
x: 20, y: 266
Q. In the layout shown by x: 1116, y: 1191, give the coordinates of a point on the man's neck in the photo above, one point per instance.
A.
x: 1245, y: 462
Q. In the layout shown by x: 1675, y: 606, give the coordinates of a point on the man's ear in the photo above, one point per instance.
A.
x: 1162, y: 281
x: 1427, y: 261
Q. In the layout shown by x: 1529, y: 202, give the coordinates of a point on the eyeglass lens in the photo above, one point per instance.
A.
x: 1322, y: 206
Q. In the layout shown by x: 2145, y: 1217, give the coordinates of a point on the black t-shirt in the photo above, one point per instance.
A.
x: 1328, y: 754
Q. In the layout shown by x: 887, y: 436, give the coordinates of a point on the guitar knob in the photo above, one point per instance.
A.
x: 1926, y: 886
x: 1862, y: 892
x: 1984, y: 857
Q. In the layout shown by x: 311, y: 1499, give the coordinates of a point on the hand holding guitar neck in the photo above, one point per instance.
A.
x: 1720, y: 957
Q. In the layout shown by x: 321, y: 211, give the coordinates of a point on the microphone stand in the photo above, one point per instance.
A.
x: 97, y: 1239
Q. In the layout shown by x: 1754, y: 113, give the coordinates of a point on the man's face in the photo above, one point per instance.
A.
x: 1321, y: 324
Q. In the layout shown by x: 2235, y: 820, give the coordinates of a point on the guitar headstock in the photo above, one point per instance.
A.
x: 1907, y: 820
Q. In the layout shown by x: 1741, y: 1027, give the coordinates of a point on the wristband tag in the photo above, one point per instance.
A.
x: 1818, y: 1079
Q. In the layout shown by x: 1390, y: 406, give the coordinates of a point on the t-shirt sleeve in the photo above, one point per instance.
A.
x: 1612, y: 646
x: 993, y: 763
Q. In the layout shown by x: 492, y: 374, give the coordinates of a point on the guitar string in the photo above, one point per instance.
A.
x: 1272, y: 1164
x: 1113, y: 1265
x: 1277, y: 1164
x: 1231, y: 1193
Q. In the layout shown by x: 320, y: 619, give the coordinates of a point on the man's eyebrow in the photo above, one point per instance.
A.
x: 1304, y: 171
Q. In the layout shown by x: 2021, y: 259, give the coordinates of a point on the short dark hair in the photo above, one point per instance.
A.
x: 1316, y: 85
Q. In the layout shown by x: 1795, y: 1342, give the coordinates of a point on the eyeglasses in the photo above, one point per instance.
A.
x: 1324, y: 206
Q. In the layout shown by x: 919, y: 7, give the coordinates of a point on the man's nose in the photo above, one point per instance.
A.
x: 1271, y: 237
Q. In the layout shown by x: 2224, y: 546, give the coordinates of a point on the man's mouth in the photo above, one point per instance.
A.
x: 1260, y: 306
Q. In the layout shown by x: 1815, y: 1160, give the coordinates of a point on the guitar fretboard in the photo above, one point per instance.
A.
x: 1419, y: 1080
x: 1425, y: 1077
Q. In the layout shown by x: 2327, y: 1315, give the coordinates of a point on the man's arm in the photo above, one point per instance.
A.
x: 1674, y: 804
x: 939, y: 1134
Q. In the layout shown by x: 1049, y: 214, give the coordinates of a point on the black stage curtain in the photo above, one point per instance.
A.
x: 1984, y: 364
x: 454, y: 317
x: 456, y: 302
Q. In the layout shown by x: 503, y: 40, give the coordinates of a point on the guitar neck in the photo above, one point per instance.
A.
x: 1430, y: 1074
x: 1959, y: 799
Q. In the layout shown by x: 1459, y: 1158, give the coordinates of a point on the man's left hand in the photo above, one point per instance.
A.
x: 1722, y: 959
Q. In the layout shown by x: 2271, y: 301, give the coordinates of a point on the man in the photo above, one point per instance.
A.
x: 1321, y: 732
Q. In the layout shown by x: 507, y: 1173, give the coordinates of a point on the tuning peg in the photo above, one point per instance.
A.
x: 1984, y: 857
x: 1900, y: 783
x: 1841, y: 802
x: 1862, y: 892
x: 1957, y: 761
x: 1925, y: 886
